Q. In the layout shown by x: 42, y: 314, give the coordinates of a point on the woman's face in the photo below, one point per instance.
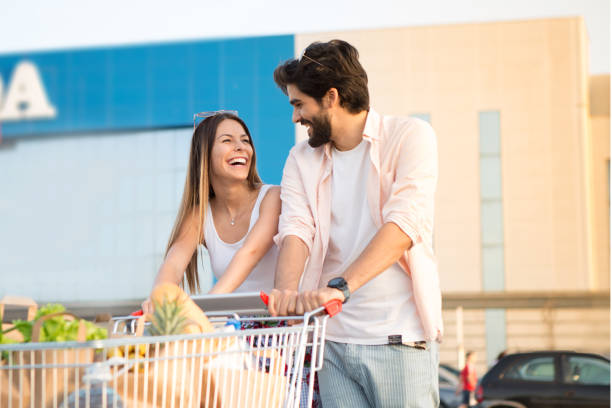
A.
x: 231, y: 151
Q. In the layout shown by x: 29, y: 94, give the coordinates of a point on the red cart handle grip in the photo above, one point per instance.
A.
x: 332, y: 308
x: 137, y: 313
x: 264, y: 297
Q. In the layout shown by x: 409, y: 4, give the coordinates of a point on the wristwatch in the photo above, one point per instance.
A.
x: 340, y: 284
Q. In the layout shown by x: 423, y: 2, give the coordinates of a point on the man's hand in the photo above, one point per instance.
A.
x: 311, y: 300
x: 282, y: 302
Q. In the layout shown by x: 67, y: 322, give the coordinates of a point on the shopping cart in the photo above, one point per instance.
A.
x: 226, y: 368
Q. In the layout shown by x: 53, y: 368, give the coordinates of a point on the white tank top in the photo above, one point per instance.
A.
x: 221, y: 253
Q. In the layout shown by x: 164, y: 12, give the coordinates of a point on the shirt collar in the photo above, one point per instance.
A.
x: 370, y: 131
x: 327, y: 149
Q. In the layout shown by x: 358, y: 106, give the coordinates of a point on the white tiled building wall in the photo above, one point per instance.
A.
x: 87, y: 217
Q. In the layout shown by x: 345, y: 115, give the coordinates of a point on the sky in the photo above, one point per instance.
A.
x: 28, y: 25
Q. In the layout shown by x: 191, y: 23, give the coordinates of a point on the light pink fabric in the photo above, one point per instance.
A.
x: 401, y: 186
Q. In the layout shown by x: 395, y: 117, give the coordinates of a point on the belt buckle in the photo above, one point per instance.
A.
x: 420, y: 345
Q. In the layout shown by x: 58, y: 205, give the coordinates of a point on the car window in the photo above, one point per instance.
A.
x: 444, y: 381
x: 532, y: 369
x: 447, y: 378
x: 586, y: 370
x: 454, y: 371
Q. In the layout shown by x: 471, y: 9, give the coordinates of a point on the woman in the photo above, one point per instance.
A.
x: 226, y: 208
x: 235, y: 219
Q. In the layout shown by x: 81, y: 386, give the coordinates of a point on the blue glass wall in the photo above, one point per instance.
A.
x: 161, y: 86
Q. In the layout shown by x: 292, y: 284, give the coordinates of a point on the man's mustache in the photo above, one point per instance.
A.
x: 305, y: 122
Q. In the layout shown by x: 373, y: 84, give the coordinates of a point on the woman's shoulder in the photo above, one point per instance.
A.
x: 265, y: 189
x: 271, y: 197
x: 271, y: 189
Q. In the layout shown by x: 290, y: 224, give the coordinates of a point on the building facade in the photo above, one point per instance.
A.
x: 522, y: 208
x: 93, y: 178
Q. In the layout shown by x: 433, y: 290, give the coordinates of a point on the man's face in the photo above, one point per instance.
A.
x: 308, y: 112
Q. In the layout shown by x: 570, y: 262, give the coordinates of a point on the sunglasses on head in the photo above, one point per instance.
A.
x: 198, y: 117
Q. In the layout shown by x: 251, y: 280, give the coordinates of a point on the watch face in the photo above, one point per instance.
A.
x: 336, y: 282
x: 340, y: 284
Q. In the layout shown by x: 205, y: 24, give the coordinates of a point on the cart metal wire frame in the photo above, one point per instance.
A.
x: 226, y: 368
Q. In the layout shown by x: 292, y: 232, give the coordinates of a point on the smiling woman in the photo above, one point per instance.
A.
x: 225, y: 207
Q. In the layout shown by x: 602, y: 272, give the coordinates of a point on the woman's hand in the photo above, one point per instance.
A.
x: 147, y: 306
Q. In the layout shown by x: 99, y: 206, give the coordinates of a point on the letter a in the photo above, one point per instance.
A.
x: 26, y: 97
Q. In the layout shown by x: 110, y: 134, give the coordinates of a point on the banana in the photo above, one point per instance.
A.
x: 115, y: 352
x: 142, y: 349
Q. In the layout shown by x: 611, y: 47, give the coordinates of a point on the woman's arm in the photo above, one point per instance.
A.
x: 256, y: 245
x: 178, y: 257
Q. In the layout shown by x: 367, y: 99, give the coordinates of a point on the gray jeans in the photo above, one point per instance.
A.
x: 356, y: 376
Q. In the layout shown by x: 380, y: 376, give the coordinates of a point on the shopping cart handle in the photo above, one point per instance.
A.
x: 264, y: 297
x: 137, y: 313
x: 333, y: 307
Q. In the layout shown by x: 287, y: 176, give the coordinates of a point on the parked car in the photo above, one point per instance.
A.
x: 449, y: 368
x: 546, y: 379
x: 448, y: 378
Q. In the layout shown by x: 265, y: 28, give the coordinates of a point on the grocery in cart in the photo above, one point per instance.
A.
x: 142, y: 367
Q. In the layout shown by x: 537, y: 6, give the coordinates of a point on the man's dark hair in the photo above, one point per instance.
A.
x: 325, y: 65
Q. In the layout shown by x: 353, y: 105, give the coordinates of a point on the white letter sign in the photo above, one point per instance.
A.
x: 26, y: 97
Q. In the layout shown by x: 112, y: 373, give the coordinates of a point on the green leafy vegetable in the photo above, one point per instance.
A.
x: 57, y: 328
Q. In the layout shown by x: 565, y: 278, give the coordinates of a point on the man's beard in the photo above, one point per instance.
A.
x: 320, y: 129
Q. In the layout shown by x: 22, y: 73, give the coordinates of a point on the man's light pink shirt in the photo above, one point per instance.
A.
x: 401, y: 186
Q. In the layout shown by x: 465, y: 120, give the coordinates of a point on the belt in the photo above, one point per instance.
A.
x: 396, y: 339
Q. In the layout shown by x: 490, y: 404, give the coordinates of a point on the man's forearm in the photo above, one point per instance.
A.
x: 291, y: 261
x: 386, y: 248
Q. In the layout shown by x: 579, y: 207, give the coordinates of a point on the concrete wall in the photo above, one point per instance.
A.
x: 600, y: 166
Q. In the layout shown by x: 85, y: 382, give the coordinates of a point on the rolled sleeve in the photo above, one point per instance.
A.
x: 411, y: 201
x: 296, y: 216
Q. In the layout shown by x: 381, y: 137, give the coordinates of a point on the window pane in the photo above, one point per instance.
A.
x: 586, y: 370
x: 423, y: 116
x: 490, y: 178
x: 444, y: 381
x: 533, y: 369
x: 495, y: 324
x: 490, y: 137
x: 492, y: 223
x: 493, y: 269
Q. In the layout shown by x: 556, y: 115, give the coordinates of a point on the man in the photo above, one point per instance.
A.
x: 356, y: 225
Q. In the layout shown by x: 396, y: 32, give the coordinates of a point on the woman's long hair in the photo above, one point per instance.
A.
x: 198, y: 189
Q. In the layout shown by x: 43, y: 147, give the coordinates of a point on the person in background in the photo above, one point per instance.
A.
x: 226, y: 208
x: 356, y: 225
x: 468, y: 380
